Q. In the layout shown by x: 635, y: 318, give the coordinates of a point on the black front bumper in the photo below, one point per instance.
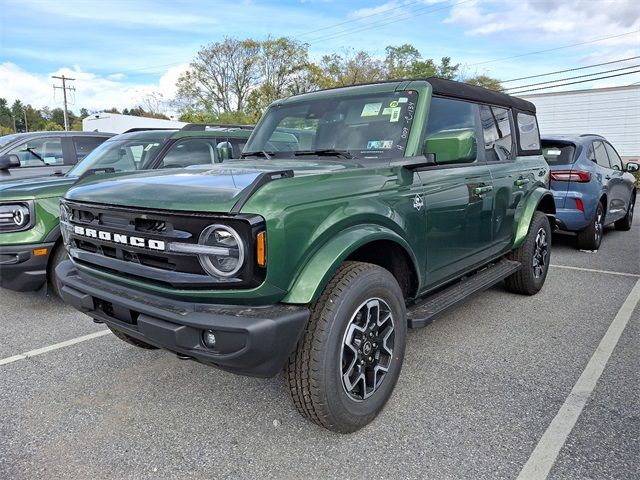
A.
x: 20, y: 269
x: 252, y: 341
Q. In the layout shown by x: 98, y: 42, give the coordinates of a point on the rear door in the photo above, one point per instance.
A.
x: 458, y: 193
x: 606, y: 177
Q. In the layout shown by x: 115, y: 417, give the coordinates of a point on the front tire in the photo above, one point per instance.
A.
x: 348, y: 361
x: 534, y: 255
x: 58, y: 256
x: 591, y: 237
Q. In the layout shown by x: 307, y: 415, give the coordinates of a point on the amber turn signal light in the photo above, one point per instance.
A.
x: 39, y: 252
x: 261, y: 249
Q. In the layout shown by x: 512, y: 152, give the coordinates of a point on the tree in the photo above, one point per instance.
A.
x: 348, y: 69
x: 486, y: 82
x: 17, y: 114
x: 400, y: 61
x: 221, y: 76
x: 6, y: 118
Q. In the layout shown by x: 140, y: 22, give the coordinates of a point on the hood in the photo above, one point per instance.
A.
x: 217, y: 187
x: 34, y: 188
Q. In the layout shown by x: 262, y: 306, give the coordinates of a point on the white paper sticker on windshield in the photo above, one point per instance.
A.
x: 403, y: 100
x: 371, y: 109
x: 379, y: 144
x: 387, y: 111
x: 395, y: 114
x: 554, y: 152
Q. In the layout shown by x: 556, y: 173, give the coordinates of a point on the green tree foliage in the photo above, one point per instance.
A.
x: 486, y: 82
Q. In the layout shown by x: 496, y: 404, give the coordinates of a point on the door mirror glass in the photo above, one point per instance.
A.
x: 9, y: 161
x: 633, y: 167
x: 224, y: 153
x: 456, y: 146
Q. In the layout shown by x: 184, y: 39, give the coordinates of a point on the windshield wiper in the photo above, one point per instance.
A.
x: 261, y: 153
x: 32, y: 152
x: 327, y: 152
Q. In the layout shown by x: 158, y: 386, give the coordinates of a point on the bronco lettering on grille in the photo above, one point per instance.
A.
x: 119, y: 238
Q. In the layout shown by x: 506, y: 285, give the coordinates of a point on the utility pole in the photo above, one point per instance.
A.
x: 64, y: 89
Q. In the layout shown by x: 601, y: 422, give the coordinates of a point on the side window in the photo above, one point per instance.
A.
x: 529, y: 134
x: 451, y: 131
x: 39, y: 152
x: 190, y: 151
x: 601, y: 154
x: 84, y: 145
x: 496, y: 125
x: 236, y: 145
x: 614, y: 158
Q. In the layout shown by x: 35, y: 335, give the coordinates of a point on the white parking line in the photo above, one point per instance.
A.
x: 546, y: 452
x: 608, y: 272
x: 55, y: 346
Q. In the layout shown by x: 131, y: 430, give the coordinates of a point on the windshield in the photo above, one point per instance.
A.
x: 348, y: 126
x: 558, y: 153
x: 123, y: 155
x: 7, y: 139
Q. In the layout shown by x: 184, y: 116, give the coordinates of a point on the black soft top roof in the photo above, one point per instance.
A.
x: 465, y: 91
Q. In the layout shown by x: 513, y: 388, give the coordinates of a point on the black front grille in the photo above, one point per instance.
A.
x: 102, y: 224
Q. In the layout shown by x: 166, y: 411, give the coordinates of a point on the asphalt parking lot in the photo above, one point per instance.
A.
x: 479, y: 395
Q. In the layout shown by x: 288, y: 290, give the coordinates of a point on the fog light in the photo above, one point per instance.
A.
x: 209, y: 338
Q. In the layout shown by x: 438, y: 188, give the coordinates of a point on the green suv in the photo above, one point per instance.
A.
x: 30, y: 239
x: 354, y: 214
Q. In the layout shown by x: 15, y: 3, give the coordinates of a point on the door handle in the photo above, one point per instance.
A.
x: 482, y: 190
x: 521, y: 181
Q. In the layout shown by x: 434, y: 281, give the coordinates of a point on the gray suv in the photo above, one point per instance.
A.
x: 36, y: 154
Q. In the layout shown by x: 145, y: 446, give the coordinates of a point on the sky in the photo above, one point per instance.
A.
x: 119, y: 51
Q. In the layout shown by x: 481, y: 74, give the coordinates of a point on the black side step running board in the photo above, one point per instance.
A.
x: 422, y: 313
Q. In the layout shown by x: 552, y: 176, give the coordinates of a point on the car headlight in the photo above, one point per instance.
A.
x: 65, y: 216
x: 227, y: 251
x: 15, y: 217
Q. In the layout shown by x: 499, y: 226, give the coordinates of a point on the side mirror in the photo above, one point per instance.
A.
x: 9, y: 161
x: 456, y: 146
x: 632, y: 167
x: 224, y: 153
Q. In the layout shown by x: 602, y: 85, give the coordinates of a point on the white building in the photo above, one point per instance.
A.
x: 116, y: 123
x: 612, y: 112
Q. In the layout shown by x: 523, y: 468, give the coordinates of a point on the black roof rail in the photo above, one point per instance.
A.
x: 590, y: 135
x: 144, y: 129
x: 204, y: 126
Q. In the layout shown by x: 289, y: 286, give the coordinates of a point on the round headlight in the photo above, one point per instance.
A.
x: 231, y: 257
x: 20, y: 216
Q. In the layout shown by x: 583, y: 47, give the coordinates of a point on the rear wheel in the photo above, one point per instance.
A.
x: 624, y: 223
x: 348, y: 361
x: 591, y: 237
x: 534, y: 255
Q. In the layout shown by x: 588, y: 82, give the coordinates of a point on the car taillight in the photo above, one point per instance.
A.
x: 571, y: 176
x: 579, y: 205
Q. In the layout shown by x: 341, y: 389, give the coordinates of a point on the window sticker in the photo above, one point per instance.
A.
x: 395, y: 114
x: 371, y: 109
x: 379, y: 144
x: 403, y: 100
x: 387, y: 111
x: 554, y: 152
x: 393, y: 104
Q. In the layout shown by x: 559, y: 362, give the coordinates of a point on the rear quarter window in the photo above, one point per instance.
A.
x: 558, y: 153
x: 528, y: 130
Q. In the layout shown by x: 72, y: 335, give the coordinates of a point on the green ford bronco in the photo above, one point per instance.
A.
x: 354, y: 214
x: 30, y: 239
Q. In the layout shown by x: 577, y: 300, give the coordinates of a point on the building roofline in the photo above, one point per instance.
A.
x: 584, y: 90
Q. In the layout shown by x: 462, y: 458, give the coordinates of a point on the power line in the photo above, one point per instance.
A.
x: 569, y: 70
x: 573, y: 83
x: 572, y: 78
x: 553, y: 49
x: 64, y: 89
x: 398, y: 18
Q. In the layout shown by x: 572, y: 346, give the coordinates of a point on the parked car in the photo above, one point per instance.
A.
x: 354, y: 214
x: 30, y: 238
x: 591, y: 186
x: 37, y: 154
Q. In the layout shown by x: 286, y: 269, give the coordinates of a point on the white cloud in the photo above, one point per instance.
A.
x: 92, y: 91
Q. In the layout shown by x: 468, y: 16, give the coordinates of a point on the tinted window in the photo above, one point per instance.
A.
x: 601, y: 154
x: 84, y: 145
x: 556, y: 153
x: 529, y: 134
x: 190, y: 151
x: 451, y: 130
x: 614, y: 158
x: 39, y: 152
x: 496, y: 126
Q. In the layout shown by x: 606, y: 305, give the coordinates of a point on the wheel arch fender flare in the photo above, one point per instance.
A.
x: 540, y: 199
x: 314, y: 275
